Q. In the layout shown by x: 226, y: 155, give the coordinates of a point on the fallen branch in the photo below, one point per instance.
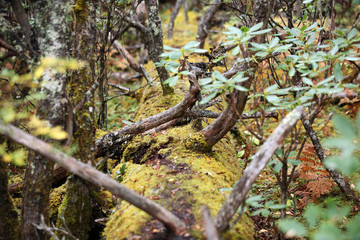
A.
x: 116, y: 138
x: 95, y: 177
x: 133, y: 64
x: 261, y: 158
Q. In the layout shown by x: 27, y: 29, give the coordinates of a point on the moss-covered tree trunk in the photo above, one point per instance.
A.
x: 9, y: 222
x: 162, y: 168
x: 50, y: 17
x: 75, y: 211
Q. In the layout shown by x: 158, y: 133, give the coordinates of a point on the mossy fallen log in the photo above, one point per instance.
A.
x: 164, y: 167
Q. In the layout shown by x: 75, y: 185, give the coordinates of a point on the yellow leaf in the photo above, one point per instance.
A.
x: 18, y: 157
x: 39, y: 72
x: 57, y: 133
x: 6, y: 158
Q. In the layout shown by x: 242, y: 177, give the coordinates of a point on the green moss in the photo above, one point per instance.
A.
x: 196, y: 142
x: 152, y: 96
x: 76, y: 200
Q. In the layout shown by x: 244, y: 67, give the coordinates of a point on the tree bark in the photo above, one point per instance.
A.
x: 154, y: 39
x: 9, y: 223
x: 51, y: 37
x: 78, y: 193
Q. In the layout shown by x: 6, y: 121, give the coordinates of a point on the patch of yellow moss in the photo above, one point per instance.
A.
x: 16, y: 179
x: 153, y: 102
x: 56, y: 196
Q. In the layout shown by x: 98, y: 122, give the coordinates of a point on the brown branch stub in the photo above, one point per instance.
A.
x: 95, y: 177
x: 261, y: 158
x: 215, y: 131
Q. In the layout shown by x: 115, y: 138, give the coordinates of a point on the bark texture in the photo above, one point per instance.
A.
x: 37, y: 183
x: 9, y: 223
x: 154, y: 39
x: 78, y: 195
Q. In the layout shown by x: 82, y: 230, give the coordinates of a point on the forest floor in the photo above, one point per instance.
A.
x: 311, y: 182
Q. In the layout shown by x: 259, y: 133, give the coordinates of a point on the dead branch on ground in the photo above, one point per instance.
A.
x: 95, y: 177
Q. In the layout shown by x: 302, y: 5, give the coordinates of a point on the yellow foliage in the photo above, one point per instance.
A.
x: 40, y: 127
x: 60, y: 65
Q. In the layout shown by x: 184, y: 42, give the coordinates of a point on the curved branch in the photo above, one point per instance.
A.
x: 95, y: 177
x: 110, y: 140
x: 215, y: 131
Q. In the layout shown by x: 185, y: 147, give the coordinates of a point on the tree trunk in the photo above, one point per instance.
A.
x: 51, y: 37
x: 76, y: 207
x: 9, y: 223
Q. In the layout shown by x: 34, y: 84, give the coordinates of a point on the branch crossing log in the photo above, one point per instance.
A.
x: 95, y: 177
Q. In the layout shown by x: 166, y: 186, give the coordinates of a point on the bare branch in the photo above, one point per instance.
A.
x: 108, y: 141
x: 261, y: 158
x: 95, y: 177
x: 204, y: 24
x: 133, y: 64
x: 209, y: 225
x: 174, y: 13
